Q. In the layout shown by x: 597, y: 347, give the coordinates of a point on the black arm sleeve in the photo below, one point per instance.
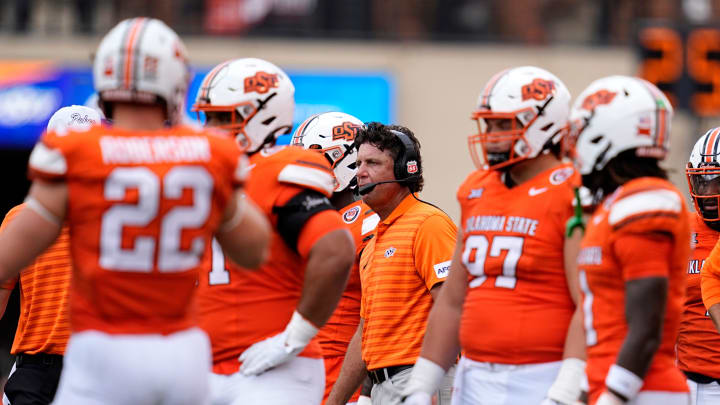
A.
x: 295, y: 213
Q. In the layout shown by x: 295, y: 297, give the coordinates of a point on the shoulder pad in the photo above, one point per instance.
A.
x: 646, y: 202
x: 47, y: 161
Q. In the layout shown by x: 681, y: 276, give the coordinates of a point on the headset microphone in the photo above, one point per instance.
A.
x: 367, y: 188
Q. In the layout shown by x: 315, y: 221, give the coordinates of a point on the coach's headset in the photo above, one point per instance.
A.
x: 406, y: 167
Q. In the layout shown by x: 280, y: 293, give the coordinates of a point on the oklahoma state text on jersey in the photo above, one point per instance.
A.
x: 641, y: 230
x: 518, y: 307
x: 142, y: 208
x: 44, y: 324
x: 239, y: 307
x: 698, y: 343
x: 340, y: 328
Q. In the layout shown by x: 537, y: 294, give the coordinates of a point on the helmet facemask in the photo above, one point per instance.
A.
x: 511, y: 131
x: 704, y: 184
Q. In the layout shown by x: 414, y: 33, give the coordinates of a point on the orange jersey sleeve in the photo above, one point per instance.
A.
x: 638, y: 255
x: 142, y: 207
x: 435, y: 238
x: 711, y: 278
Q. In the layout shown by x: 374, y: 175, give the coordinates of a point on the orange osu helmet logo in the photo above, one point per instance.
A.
x: 346, y: 131
x: 600, y: 97
x: 539, y: 89
x: 261, y: 83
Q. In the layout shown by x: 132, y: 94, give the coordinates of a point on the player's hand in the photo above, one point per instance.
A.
x: 417, y: 398
x: 608, y: 398
x: 267, y: 354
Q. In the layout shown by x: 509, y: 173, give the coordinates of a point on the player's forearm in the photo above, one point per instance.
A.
x: 22, y: 240
x: 714, y: 312
x: 441, y: 344
x: 645, y: 309
x: 575, y: 339
x: 352, y: 373
x: 326, y: 275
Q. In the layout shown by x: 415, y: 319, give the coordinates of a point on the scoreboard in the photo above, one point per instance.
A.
x: 684, y: 62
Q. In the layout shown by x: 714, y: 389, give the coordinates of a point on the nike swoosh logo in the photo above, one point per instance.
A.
x: 535, y: 191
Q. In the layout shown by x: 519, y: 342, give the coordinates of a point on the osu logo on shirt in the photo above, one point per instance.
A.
x: 539, y: 89
x: 261, y: 83
x: 600, y: 97
x: 346, y: 131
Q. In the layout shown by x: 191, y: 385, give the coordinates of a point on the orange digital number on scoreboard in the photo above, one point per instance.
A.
x: 684, y: 64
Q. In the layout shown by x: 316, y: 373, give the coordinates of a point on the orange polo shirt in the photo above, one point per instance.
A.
x: 44, y: 325
x: 408, y: 256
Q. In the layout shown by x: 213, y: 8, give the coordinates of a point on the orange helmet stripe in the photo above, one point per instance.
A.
x: 130, y: 46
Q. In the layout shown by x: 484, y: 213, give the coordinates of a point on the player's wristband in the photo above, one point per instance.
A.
x: 426, y: 377
x: 568, y: 383
x: 40, y: 209
x: 299, y: 332
x: 623, y: 381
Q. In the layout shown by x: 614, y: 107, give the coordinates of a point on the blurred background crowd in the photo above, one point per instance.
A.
x: 538, y: 22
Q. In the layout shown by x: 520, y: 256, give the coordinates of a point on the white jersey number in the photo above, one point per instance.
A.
x: 476, y: 252
x: 590, y: 332
x: 219, y: 274
x: 141, y: 256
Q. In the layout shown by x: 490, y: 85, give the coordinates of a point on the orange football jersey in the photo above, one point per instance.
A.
x: 518, y: 306
x: 44, y: 324
x: 620, y: 245
x: 698, y: 343
x: 142, y: 207
x: 340, y: 328
x: 239, y: 307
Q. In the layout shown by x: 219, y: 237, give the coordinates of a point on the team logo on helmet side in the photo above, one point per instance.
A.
x: 600, y: 97
x: 346, y: 131
x: 412, y: 167
x: 351, y: 215
x: 261, y: 83
x: 539, y: 89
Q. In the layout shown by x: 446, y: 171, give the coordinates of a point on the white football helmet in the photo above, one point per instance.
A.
x: 259, y: 96
x: 333, y: 134
x: 536, y: 102
x: 73, y: 118
x: 703, y: 175
x: 142, y: 60
x: 619, y: 113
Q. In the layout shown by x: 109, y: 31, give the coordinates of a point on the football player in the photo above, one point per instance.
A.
x: 141, y: 201
x: 510, y: 301
x: 263, y: 324
x: 636, y: 245
x: 333, y: 135
x: 43, y: 328
x: 698, y: 343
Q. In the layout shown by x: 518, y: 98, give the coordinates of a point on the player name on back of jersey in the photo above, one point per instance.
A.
x: 501, y: 223
x: 154, y: 149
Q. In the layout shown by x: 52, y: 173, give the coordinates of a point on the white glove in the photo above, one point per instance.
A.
x: 608, y: 398
x: 364, y: 400
x: 418, y: 398
x: 278, y: 349
x: 568, y: 383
